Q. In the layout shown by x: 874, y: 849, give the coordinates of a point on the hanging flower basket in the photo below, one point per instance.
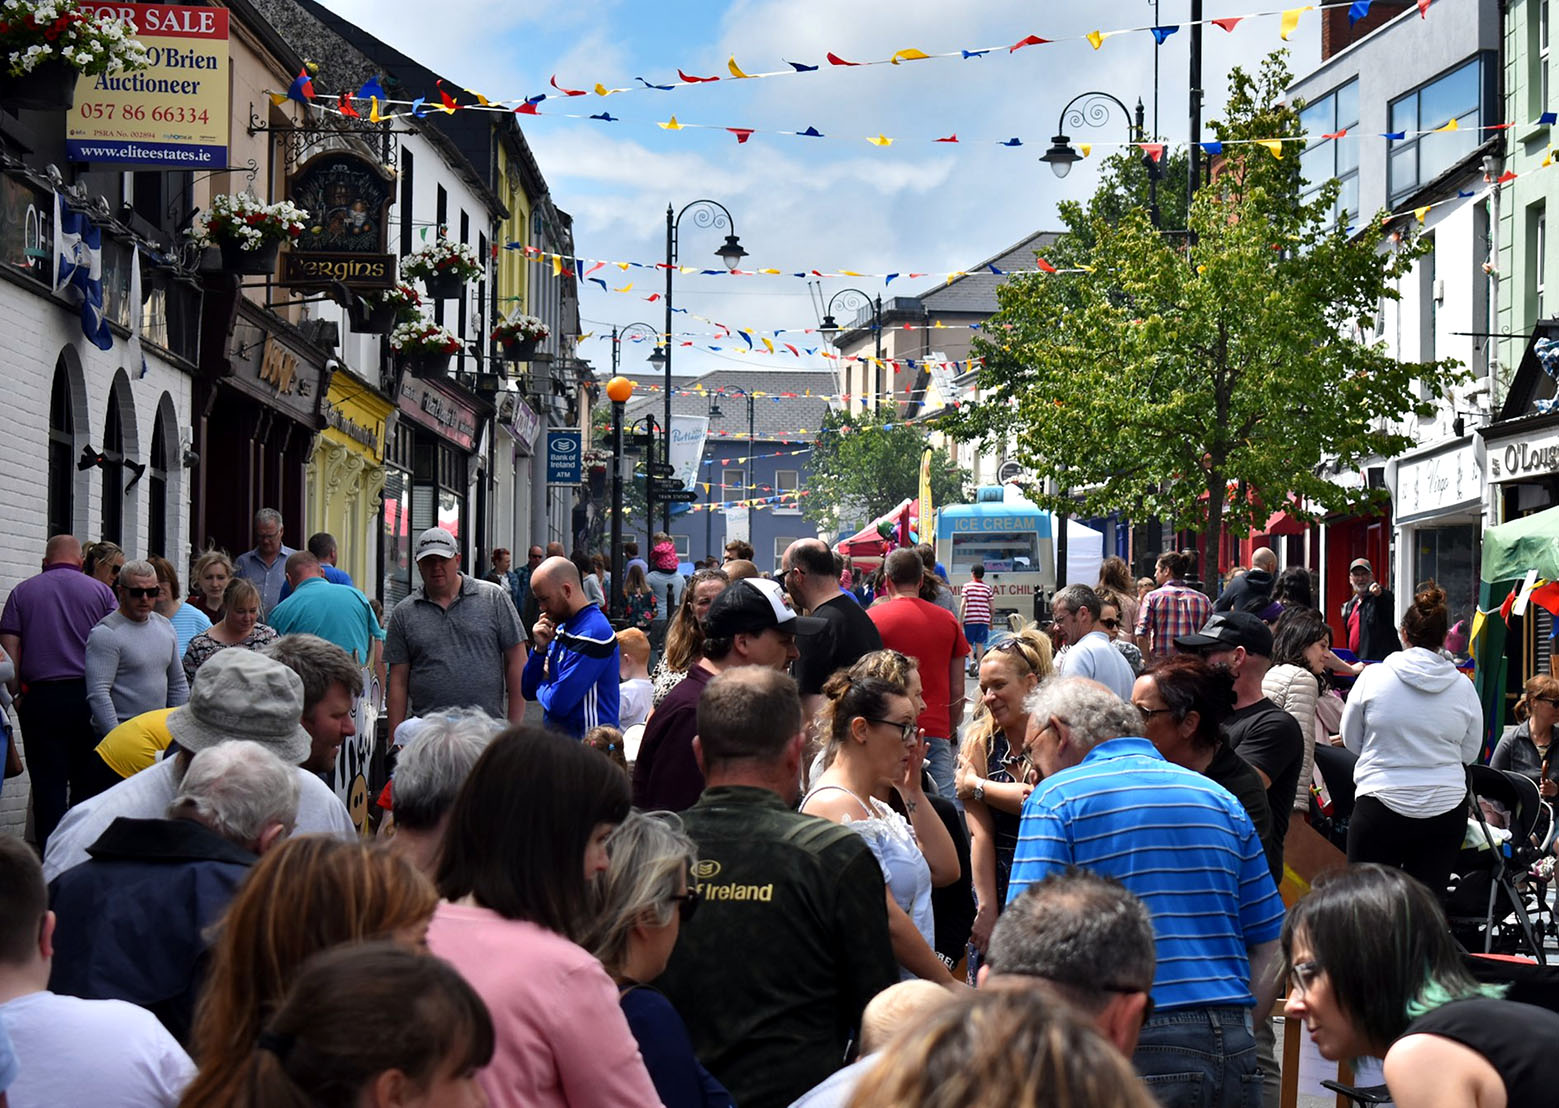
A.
x: 260, y: 262
x: 520, y: 336
x: 424, y: 348
x: 46, y: 44
x: 444, y: 268
x: 51, y: 87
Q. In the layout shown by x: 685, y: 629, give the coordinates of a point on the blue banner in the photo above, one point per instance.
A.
x: 564, y: 450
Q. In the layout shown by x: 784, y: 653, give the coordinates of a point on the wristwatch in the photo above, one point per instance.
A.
x: 979, y: 789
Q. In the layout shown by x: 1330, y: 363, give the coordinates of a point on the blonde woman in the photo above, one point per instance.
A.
x: 992, y: 780
x: 1528, y: 748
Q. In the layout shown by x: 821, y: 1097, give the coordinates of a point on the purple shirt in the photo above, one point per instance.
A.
x: 52, y: 614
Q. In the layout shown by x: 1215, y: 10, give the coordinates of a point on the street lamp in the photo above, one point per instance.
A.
x: 1092, y: 109
x: 635, y: 330
x: 618, y: 391
x: 853, y: 300
x: 706, y: 213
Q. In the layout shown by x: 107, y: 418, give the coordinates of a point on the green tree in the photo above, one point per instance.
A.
x: 1200, y: 375
x: 866, y: 464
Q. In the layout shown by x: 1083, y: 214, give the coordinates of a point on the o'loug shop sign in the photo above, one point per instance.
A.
x: 173, y: 113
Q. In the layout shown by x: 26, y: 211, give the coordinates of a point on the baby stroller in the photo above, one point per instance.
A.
x: 1493, y: 880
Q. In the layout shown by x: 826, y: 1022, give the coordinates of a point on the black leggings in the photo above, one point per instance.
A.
x: 1423, y: 848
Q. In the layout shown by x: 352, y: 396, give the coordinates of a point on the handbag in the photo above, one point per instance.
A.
x: 13, y: 753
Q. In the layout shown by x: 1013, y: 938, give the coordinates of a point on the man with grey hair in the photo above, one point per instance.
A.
x: 1089, y: 653
x: 428, y: 775
x: 132, y: 919
x: 266, y: 564
x: 238, y: 694
x: 133, y: 662
x: 1085, y: 938
x: 1110, y: 803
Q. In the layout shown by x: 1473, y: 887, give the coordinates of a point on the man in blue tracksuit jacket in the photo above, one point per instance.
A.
x: 573, y: 670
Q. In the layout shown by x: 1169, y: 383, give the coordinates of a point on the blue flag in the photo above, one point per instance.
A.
x: 78, y: 266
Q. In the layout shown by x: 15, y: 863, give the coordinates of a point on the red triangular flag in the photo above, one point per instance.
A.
x: 1028, y: 40
x: 1423, y: 9
x: 1504, y: 609
x: 950, y: 138
x: 835, y: 59
x: 742, y: 133
x: 1044, y: 266
x: 1336, y: 134
x: 449, y: 102
x: 1508, y: 175
x: 695, y: 80
x: 566, y: 91
x: 1154, y: 150
x: 345, y: 106
x: 526, y: 108
x: 1547, y: 597
x: 1228, y: 23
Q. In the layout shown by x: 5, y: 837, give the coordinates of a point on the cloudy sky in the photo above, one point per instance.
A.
x: 799, y: 203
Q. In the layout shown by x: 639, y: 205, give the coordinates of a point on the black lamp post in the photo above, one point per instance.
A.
x: 706, y: 213
x: 618, y: 391
x: 1092, y: 109
x: 853, y: 300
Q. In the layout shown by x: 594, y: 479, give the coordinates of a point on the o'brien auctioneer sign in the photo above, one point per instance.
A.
x: 172, y: 114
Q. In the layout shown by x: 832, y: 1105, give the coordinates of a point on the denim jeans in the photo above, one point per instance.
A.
x: 942, y: 764
x: 1200, y: 1058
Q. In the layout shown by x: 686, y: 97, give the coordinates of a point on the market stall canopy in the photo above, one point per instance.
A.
x: 868, y: 542
x: 1531, y: 542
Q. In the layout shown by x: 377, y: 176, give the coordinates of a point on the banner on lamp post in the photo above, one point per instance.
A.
x: 688, y: 433
x: 175, y: 112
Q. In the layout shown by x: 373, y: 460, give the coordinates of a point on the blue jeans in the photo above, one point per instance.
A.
x: 1200, y: 1058
x: 942, y: 764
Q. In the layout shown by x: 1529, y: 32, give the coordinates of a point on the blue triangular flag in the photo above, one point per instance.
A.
x: 602, y: 283
x: 974, y: 53
x: 1011, y: 142
x: 605, y: 117
x: 649, y: 84
x: 1161, y: 33
x: 1548, y: 117
x: 888, y: 280
x: 1393, y: 135
x: 1358, y: 10
x: 994, y: 270
x: 417, y: 109
x: 372, y: 88
x: 1213, y: 148
x: 811, y: 132
x: 302, y: 88
x: 799, y: 68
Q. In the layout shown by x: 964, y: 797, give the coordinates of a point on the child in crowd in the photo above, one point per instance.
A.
x: 609, y: 741
x: 635, y: 691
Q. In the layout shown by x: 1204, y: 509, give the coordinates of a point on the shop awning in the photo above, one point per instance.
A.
x: 1531, y: 542
x: 1281, y: 523
x: 867, y: 543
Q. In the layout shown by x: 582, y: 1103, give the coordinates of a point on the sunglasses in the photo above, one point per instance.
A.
x: 146, y: 594
x: 1112, y: 624
x: 907, y: 731
x: 687, y: 904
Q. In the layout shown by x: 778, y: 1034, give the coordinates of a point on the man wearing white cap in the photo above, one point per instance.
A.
x: 238, y: 694
x: 1369, y: 615
x: 456, y: 642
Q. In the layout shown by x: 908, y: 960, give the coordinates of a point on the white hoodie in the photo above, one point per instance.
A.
x: 1415, y: 721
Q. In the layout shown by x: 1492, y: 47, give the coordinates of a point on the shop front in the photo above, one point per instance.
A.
x: 429, y: 469
x: 1438, y: 495
x: 346, y: 475
x: 514, y: 454
x: 259, y: 402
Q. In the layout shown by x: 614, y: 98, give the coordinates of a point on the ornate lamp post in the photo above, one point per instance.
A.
x: 1092, y: 109
x: 706, y: 213
x: 618, y: 391
x: 853, y: 300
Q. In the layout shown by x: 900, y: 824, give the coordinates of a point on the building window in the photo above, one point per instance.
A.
x: 157, y: 490
x: 1418, y: 159
x: 1536, y: 249
x: 62, y: 455
x: 406, y: 205
x: 781, y: 544
x: 1537, y: 57
x: 786, y: 482
x: 1427, y: 310
x: 113, y: 474
x: 734, y: 480
x: 680, y: 542
x: 1325, y: 159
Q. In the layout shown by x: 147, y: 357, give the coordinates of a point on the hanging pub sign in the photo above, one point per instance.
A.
x: 172, y: 114
x: 348, y: 198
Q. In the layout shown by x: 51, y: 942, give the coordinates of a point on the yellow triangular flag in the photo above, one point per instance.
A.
x: 850, y: 273
x: 626, y: 288
x: 1419, y: 213
x: 770, y: 272
x: 602, y: 90
x: 671, y: 126
x: 736, y: 70
x: 1291, y: 21
x: 480, y: 99
x: 373, y: 110
x: 1273, y: 145
x: 622, y: 265
x: 1479, y: 617
x: 1086, y: 148
x: 1096, y: 38
x: 557, y: 265
x: 1451, y: 126
x: 1548, y: 159
x: 880, y: 140
x: 909, y: 55
x: 278, y: 98
x: 769, y: 344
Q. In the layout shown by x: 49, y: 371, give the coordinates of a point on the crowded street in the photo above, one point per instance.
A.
x: 708, y: 556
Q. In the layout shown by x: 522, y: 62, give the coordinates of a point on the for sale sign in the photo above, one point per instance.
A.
x: 173, y: 114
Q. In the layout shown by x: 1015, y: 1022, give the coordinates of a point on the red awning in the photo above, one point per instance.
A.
x: 1281, y: 523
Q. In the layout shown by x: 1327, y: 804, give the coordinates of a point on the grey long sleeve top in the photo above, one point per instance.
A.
x: 132, y: 668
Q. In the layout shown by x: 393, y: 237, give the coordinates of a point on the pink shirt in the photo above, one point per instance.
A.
x: 562, y: 1038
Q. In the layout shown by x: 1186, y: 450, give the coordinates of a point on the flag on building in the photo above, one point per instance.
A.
x: 925, y: 494
x: 78, y: 270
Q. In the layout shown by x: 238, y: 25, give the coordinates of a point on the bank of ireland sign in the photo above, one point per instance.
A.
x: 563, y: 457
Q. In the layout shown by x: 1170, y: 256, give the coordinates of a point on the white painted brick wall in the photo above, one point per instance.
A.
x: 33, y: 331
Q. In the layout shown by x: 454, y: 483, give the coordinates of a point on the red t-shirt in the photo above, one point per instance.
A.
x: 932, y: 637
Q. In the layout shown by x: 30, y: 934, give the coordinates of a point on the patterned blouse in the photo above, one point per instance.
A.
x: 203, y: 646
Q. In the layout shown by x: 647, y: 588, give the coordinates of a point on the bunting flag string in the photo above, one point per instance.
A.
x: 1288, y: 22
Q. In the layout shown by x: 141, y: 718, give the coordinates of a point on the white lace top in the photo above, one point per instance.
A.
x: 904, y: 868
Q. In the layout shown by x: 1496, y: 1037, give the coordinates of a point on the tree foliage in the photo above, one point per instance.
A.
x: 1186, y: 376
x: 864, y: 465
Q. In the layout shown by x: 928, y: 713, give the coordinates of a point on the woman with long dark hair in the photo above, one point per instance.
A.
x: 1415, y: 722
x: 639, y: 605
x: 1373, y: 972
x: 1296, y: 679
x: 527, y: 834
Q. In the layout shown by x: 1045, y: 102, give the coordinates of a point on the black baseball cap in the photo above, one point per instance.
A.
x: 752, y: 606
x: 1228, y: 630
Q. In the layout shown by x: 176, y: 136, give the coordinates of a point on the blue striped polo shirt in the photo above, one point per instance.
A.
x: 1181, y: 843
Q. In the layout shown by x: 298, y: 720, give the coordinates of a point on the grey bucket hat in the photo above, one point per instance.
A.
x: 239, y: 694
